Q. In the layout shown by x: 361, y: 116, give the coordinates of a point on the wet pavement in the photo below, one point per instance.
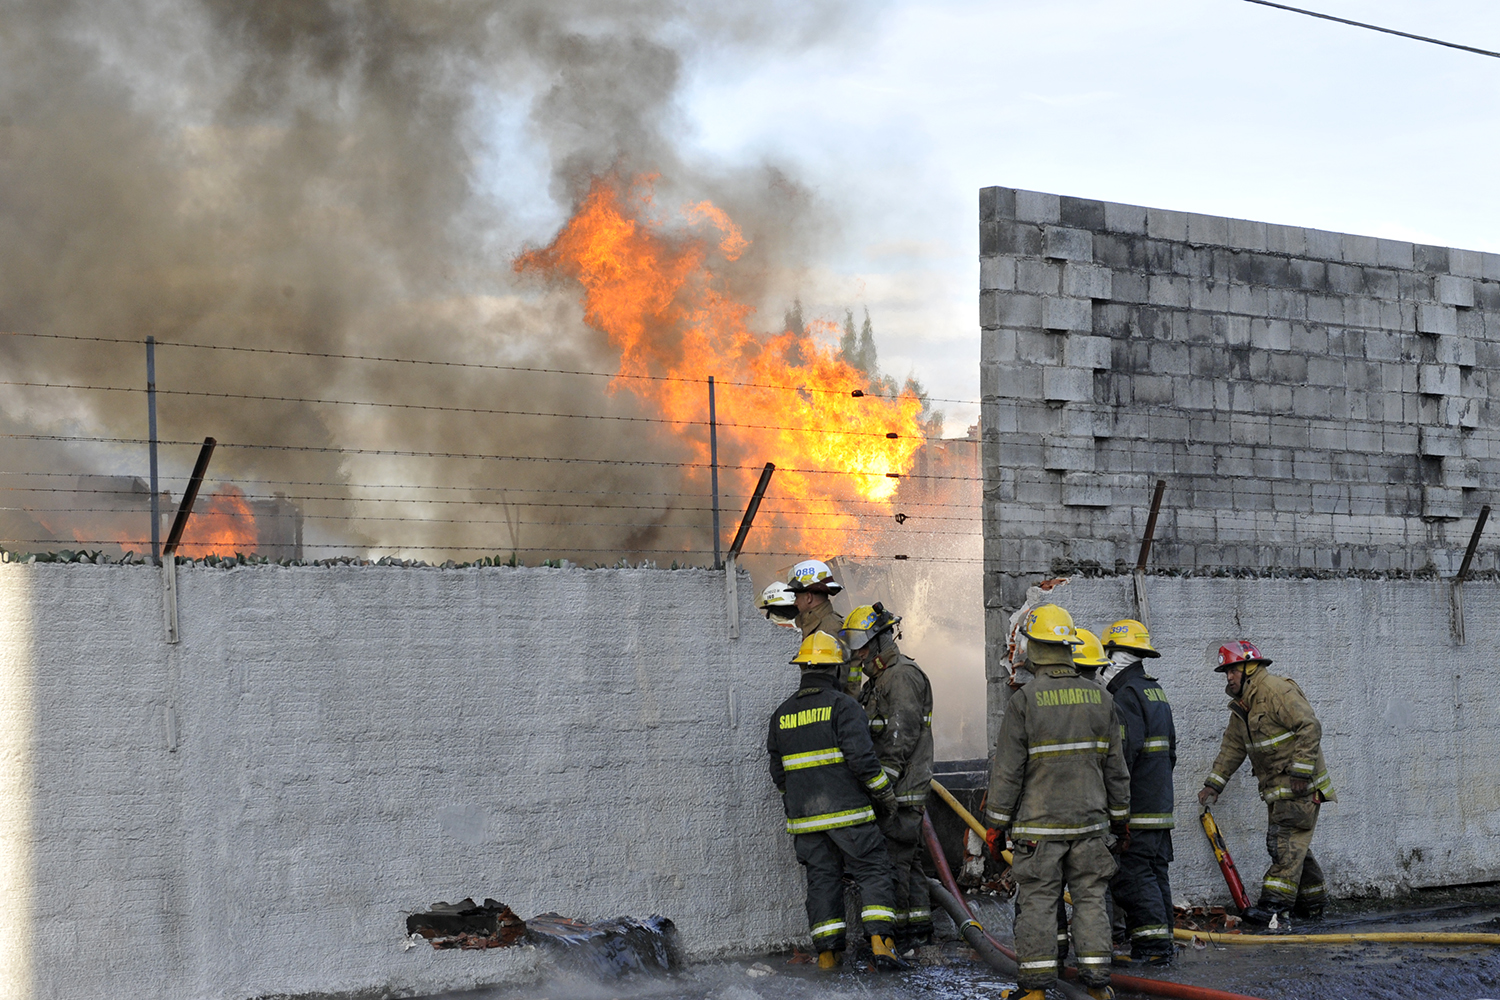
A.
x: 1368, y: 971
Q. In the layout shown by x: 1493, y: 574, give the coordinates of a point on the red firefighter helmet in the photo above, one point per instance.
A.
x: 1232, y: 654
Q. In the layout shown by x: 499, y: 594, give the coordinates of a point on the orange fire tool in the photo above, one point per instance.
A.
x: 1226, y: 863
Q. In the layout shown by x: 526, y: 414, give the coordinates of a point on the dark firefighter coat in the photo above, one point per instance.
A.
x: 824, y: 619
x: 1273, y: 724
x: 898, y: 700
x: 1058, y: 773
x: 1149, y: 742
x: 822, y: 759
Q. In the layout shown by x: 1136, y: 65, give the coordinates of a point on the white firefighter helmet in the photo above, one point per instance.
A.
x: 813, y: 577
x: 778, y: 603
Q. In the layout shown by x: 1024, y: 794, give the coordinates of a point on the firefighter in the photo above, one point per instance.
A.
x: 1141, y: 889
x: 1088, y: 655
x: 813, y: 586
x: 832, y: 785
x: 779, y: 604
x: 1272, y: 723
x: 898, y: 700
x: 1058, y: 784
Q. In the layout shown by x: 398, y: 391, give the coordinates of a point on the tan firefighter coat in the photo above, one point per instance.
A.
x: 1273, y: 724
x: 898, y: 701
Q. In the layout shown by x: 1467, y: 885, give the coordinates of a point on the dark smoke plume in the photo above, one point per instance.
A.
x: 322, y: 176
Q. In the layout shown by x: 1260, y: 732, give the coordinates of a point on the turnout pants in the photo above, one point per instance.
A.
x: 1142, y: 893
x: 1040, y: 872
x: 859, y: 850
x: 1295, y: 879
x: 903, y: 834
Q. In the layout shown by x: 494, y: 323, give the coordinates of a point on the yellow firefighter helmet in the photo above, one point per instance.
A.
x: 820, y: 648
x: 1050, y: 623
x: 1131, y: 636
x: 866, y: 622
x: 1091, y: 653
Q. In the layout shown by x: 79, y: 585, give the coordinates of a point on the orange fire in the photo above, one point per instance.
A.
x: 223, y: 525
x: 656, y: 291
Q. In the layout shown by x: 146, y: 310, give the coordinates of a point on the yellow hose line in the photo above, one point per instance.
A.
x: 1392, y: 937
x: 964, y: 814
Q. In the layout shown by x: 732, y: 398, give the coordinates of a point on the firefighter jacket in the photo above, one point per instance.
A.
x: 1149, y: 742
x: 824, y: 619
x: 898, y: 701
x: 1058, y: 772
x: 822, y: 759
x: 1273, y: 724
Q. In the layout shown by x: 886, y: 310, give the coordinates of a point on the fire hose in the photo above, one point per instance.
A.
x: 952, y: 900
x: 1237, y: 890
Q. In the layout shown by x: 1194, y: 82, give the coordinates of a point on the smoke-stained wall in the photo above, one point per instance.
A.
x: 1322, y: 409
x: 255, y: 810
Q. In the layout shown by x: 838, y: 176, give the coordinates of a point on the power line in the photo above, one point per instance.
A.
x: 442, y: 409
x: 1376, y: 27
x: 469, y: 364
x: 470, y: 456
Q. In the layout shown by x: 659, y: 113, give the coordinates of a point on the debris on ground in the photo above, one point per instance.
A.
x: 468, y: 925
x: 610, y: 947
x: 1206, y: 918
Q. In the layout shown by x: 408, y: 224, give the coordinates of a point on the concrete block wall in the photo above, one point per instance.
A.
x: 254, y: 811
x: 1316, y: 402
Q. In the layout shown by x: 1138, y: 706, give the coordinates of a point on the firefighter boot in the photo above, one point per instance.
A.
x: 1262, y: 915
x: 886, y: 959
x: 828, y: 960
x: 1028, y: 995
x: 1101, y: 993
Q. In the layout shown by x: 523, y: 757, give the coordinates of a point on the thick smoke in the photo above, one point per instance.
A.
x: 350, y: 178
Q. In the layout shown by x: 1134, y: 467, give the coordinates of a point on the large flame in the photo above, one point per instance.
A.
x: 224, y: 525
x: 657, y: 291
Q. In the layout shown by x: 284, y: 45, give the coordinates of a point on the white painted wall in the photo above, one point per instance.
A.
x: 357, y: 743
x: 1411, y: 722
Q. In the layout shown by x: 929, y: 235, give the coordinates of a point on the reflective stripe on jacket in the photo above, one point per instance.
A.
x: 898, y: 700
x: 1149, y: 743
x: 1058, y: 772
x: 822, y: 759
x: 1273, y: 724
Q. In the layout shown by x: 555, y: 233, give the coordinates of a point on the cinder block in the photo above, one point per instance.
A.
x: 1460, y: 473
x: 1271, y: 335
x: 1433, y: 318
x: 1151, y: 389
x: 1246, y: 235
x: 1360, y: 249
x: 1293, y: 240
x: 1455, y: 350
x: 997, y: 273
x: 1210, y: 229
x: 1061, y: 384
x: 1083, y: 420
x: 1466, y: 263
x: 1490, y: 270
x: 1454, y: 291
x: 1084, y: 489
x: 996, y: 203
x: 1166, y: 225
x: 1088, y: 352
x: 1067, y: 314
x: 1010, y: 381
x: 1442, y: 502
x: 1439, y: 442
x: 1086, y: 281
x: 1458, y: 411
x: 1034, y: 206
x: 1068, y: 454
x: 1394, y: 253
x: 1325, y: 371
x: 1038, y: 277
x: 1168, y: 290
x: 1010, y: 309
x: 1325, y: 309
x: 1438, y: 380
x: 1248, y: 300
x: 1061, y: 243
x: 1125, y: 218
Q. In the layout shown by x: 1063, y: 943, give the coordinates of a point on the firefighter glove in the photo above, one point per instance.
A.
x: 885, y: 801
x: 1121, y: 830
x: 1207, y: 796
x: 995, y: 842
x: 1299, y: 786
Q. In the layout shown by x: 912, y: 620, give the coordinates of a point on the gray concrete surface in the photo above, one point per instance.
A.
x: 254, y: 811
x: 1409, y: 721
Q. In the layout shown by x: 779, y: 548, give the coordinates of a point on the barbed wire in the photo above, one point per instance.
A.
x: 470, y: 456
x: 889, y: 435
x: 485, y: 366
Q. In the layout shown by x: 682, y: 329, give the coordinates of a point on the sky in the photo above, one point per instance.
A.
x: 1215, y: 106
